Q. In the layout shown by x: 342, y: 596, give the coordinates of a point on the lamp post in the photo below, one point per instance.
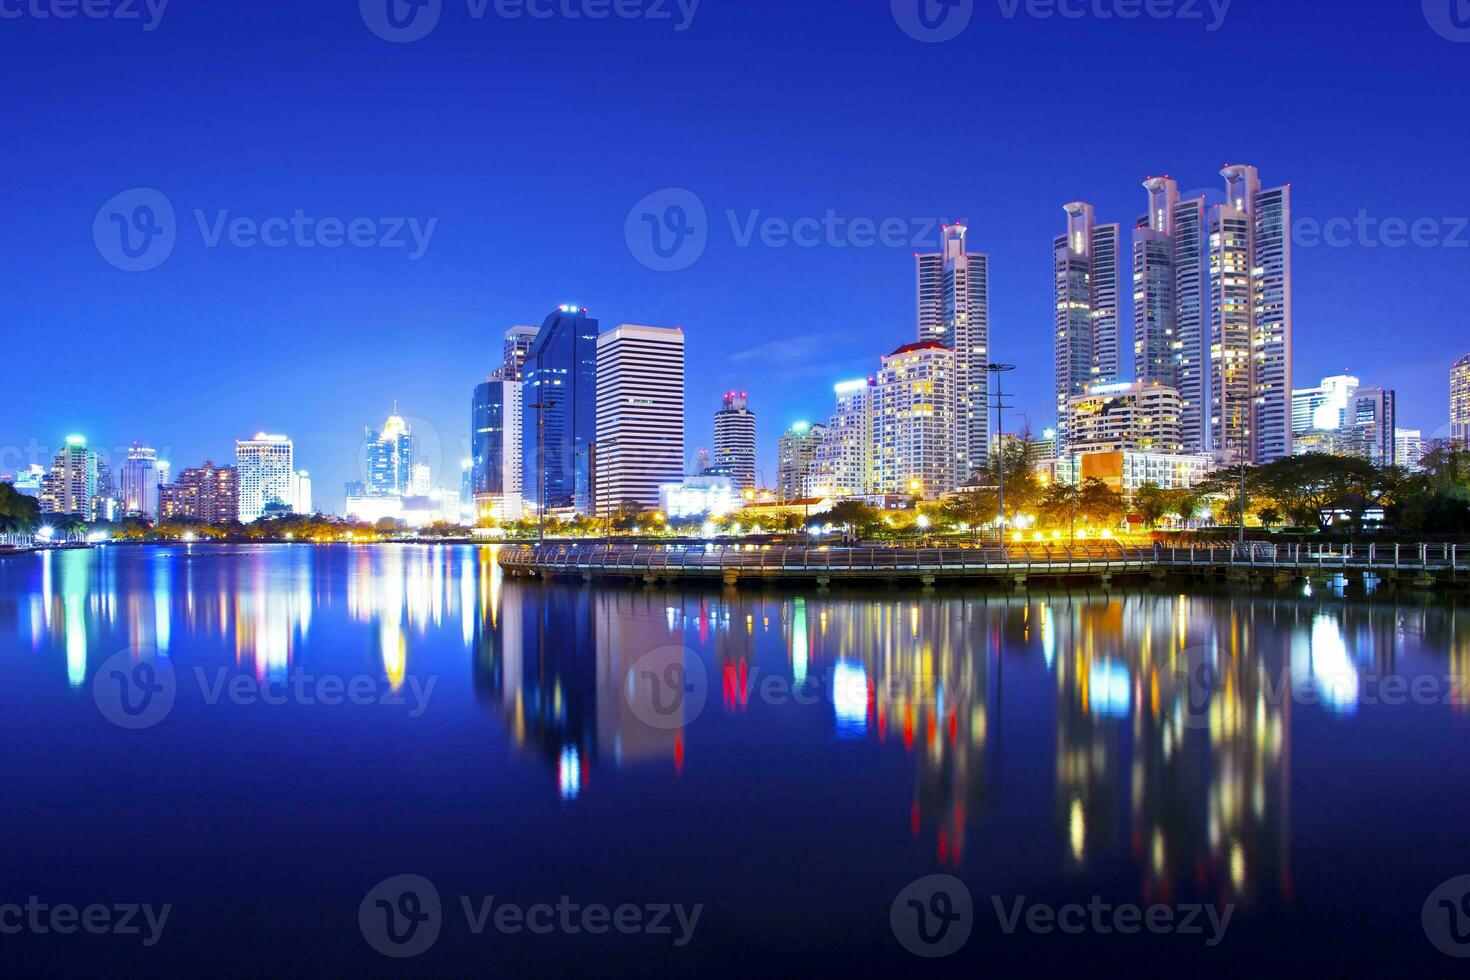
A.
x: 998, y: 370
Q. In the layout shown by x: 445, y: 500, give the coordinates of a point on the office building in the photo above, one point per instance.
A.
x: 1085, y: 268
x: 389, y: 457
x: 640, y: 415
x: 518, y: 342
x: 914, y: 407
x: 796, y: 457
x: 559, y: 413
x: 699, y: 496
x: 954, y: 310
x: 71, y: 485
x: 1250, y: 320
x: 209, y: 494
x: 1460, y: 402
x: 735, y: 441
x: 1343, y: 417
x: 1135, y: 418
x: 138, y: 481
x: 1126, y: 472
x: 301, y: 502
x: 28, y: 482
x: 1170, y: 300
x: 1408, y: 448
x: 495, y: 436
x: 267, y: 476
x: 844, y: 458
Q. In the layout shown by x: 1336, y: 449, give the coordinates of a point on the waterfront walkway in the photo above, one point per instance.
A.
x: 1422, y: 565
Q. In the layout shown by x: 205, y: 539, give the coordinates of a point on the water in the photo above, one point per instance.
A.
x: 323, y: 719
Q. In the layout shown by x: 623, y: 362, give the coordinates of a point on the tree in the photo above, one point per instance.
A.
x: 1061, y: 504
x: 1099, y: 503
x: 1269, y: 517
x: 857, y: 517
x: 1151, y: 502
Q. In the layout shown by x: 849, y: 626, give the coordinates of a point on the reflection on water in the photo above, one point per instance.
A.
x: 1159, y: 727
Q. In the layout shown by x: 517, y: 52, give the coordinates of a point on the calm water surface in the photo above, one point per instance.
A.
x: 259, y: 736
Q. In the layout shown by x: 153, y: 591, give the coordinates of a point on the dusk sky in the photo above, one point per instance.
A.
x: 528, y: 143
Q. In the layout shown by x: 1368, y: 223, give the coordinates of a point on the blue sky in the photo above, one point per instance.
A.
x: 527, y: 142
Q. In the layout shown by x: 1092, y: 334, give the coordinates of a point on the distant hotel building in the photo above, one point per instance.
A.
x: 389, y: 457
x: 1087, y: 286
x: 559, y: 412
x: 735, y: 441
x: 954, y: 310
x: 72, y: 485
x: 139, y: 479
x: 267, y: 474
x: 518, y: 342
x: 914, y: 407
x: 843, y: 466
x: 1342, y: 417
x: 1137, y: 417
x: 1408, y: 448
x: 1460, y: 402
x: 796, y: 457
x: 495, y: 473
x: 1170, y: 299
x: 209, y: 494
x: 640, y: 415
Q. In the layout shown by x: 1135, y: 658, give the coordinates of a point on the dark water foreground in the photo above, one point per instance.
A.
x: 266, y: 761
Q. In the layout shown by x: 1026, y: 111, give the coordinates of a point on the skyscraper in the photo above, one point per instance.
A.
x: 954, y: 310
x: 796, y: 456
x: 559, y: 412
x: 1086, y: 282
x: 495, y: 438
x: 1460, y: 402
x: 1169, y: 302
x: 518, y: 341
x: 267, y: 475
x: 1250, y: 320
x: 138, y: 481
x: 735, y: 441
x: 914, y: 407
x: 640, y: 415
x: 71, y: 484
x: 390, y: 456
x: 844, y: 460
x: 1124, y: 417
x: 1408, y: 445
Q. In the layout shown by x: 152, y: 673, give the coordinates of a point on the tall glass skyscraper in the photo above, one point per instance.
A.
x: 559, y: 412
x: 390, y: 454
x: 954, y: 310
x: 1460, y: 402
x: 735, y: 441
x: 1086, y: 271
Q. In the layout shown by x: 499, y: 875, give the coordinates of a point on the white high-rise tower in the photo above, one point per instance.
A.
x: 954, y: 310
x: 640, y: 415
x: 1086, y: 282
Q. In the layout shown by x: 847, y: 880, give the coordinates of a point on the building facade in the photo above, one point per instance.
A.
x: 209, y: 494
x: 954, y: 310
x: 495, y: 435
x: 138, y: 481
x: 1085, y: 268
x: 71, y: 486
x: 1250, y: 320
x: 796, y: 457
x: 1126, y: 472
x: 1343, y: 417
x: 518, y: 343
x: 1133, y: 418
x: 559, y: 413
x: 1460, y: 402
x: 735, y: 441
x: 389, y: 457
x: 1170, y: 299
x: 640, y: 416
x: 267, y: 476
x: 1408, y: 449
x: 843, y: 466
x: 914, y: 408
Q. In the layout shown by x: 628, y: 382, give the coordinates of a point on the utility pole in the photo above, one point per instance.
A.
x: 999, y: 370
x: 540, y: 408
